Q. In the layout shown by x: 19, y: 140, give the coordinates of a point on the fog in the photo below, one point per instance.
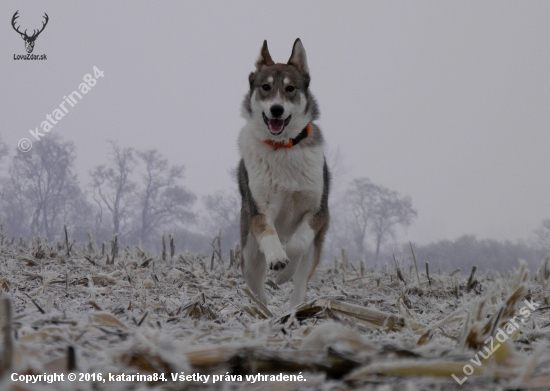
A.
x: 445, y: 102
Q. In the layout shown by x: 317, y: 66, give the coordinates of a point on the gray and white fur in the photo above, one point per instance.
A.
x: 284, y: 213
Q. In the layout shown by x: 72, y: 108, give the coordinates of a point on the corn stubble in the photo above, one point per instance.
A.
x: 65, y: 307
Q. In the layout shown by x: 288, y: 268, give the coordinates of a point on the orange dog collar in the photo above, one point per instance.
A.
x: 293, y: 141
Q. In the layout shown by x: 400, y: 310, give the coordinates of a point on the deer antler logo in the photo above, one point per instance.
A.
x: 29, y: 40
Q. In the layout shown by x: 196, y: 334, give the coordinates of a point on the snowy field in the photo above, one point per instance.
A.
x: 191, y: 318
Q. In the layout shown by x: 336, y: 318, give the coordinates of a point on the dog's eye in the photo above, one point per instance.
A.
x: 266, y: 87
x: 290, y: 88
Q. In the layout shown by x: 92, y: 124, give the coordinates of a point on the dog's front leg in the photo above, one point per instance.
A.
x: 296, y: 247
x: 269, y: 242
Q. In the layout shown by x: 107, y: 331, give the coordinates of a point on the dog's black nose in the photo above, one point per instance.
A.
x: 277, y: 110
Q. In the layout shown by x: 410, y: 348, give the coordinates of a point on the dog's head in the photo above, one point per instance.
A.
x: 279, y: 103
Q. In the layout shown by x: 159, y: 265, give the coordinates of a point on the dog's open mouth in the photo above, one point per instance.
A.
x: 276, y: 126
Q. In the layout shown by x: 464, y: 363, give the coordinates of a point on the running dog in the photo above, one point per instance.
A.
x: 283, y: 176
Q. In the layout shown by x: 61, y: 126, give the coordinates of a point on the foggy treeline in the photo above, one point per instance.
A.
x: 139, y: 195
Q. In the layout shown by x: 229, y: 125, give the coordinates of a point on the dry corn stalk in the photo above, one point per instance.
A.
x: 266, y: 312
x: 6, y: 357
x: 249, y: 359
x: 479, y: 329
x: 373, y: 318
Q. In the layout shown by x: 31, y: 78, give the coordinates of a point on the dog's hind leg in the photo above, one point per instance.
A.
x: 287, y: 273
x: 301, y: 277
x: 254, y: 268
x: 310, y: 236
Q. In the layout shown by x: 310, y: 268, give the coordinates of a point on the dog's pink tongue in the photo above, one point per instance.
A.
x: 276, y: 125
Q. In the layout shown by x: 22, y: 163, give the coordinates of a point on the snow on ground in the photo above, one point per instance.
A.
x: 188, y: 317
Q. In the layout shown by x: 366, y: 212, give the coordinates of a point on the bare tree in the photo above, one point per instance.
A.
x: 43, y: 191
x: 162, y: 200
x: 389, y: 211
x: 113, y: 188
x: 542, y: 235
x: 378, y: 211
x: 4, y: 150
x: 361, y: 196
x: 223, y: 209
x: 339, y: 232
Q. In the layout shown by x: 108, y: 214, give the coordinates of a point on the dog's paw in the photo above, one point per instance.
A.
x: 275, y: 255
x: 278, y: 265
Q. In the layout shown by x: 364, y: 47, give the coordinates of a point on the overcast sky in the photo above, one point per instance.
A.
x: 445, y: 101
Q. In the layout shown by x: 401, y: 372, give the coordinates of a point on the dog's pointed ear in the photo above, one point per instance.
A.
x: 265, y: 57
x: 298, y: 57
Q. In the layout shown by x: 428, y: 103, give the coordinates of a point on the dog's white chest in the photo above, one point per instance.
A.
x: 283, y: 181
